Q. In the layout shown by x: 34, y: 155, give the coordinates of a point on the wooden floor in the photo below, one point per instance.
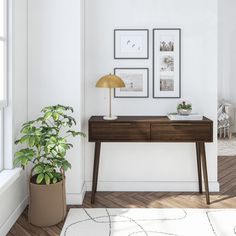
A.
x: 225, y: 199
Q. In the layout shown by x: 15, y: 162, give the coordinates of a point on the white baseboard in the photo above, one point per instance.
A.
x: 76, y: 198
x: 155, y: 186
x: 13, y: 217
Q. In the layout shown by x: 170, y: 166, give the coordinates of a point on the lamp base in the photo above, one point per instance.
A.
x: 109, y: 117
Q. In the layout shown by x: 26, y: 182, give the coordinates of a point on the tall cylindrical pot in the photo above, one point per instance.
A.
x: 47, y: 203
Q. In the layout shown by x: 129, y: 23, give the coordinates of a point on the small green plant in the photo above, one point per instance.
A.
x: 184, y: 106
x: 46, y: 144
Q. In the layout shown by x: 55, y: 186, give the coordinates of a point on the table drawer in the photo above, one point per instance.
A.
x: 119, y: 131
x: 182, y: 132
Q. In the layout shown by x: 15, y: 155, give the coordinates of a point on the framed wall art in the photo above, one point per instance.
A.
x: 166, y: 63
x: 131, y: 44
x: 136, y: 82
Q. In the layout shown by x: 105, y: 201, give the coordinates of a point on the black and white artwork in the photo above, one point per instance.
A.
x: 166, y: 43
x: 133, y: 82
x: 136, y: 82
x: 166, y: 63
x: 131, y: 44
x: 167, y: 83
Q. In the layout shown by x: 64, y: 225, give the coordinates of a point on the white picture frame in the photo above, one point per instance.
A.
x: 136, y: 81
x: 131, y: 44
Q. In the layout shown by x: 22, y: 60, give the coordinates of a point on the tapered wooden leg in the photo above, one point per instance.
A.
x: 204, y: 168
x: 95, y: 170
x: 199, y: 167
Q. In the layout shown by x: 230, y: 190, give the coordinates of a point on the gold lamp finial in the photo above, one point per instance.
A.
x: 110, y: 81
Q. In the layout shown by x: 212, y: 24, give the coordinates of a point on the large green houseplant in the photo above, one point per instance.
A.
x: 46, y: 144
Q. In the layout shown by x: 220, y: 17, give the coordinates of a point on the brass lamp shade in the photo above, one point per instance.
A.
x: 110, y: 81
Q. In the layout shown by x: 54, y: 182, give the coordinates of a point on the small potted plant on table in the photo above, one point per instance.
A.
x: 184, y: 108
x: 47, y: 145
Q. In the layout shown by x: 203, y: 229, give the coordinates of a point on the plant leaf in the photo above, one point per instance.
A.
x: 40, y: 178
x: 47, y: 179
x: 16, y: 161
x: 24, y: 139
x: 47, y: 115
x: 55, y: 116
x: 31, y: 141
x: 38, y: 169
x: 75, y: 133
x: 25, y: 129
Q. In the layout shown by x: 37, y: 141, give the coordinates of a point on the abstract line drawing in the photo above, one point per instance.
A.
x: 211, y: 224
x: 135, y: 225
x: 109, y: 222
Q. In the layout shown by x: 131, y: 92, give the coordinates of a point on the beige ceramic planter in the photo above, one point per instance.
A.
x: 47, y: 203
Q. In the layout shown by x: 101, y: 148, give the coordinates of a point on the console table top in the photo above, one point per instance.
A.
x: 144, y: 119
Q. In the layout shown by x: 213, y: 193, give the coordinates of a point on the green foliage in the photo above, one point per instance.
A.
x: 184, y: 106
x: 47, y: 145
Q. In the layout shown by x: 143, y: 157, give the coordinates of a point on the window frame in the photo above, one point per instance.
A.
x: 6, y: 105
x: 3, y: 99
x: 4, y: 40
x: 1, y: 141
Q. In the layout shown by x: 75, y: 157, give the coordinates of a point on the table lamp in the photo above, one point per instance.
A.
x: 110, y: 81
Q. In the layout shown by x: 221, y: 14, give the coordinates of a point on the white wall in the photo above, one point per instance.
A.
x: 55, y: 70
x: 151, y: 166
x: 14, y: 199
x: 227, y: 52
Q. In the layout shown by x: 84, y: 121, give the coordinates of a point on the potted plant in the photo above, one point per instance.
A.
x: 46, y: 141
x: 184, y: 108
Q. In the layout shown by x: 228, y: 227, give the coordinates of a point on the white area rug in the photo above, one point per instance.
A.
x: 227, y: 147
x: 150, y: 222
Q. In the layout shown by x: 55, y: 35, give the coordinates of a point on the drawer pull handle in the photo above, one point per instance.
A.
x: 181, y: 124
x: 120, y: 124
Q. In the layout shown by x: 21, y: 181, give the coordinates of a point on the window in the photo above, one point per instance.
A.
x: 3, y: 73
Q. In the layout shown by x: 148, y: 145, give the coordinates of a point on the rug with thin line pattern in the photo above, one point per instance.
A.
x: 150, y: 222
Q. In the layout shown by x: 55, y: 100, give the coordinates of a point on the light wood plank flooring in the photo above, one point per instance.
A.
x: 226, y: 198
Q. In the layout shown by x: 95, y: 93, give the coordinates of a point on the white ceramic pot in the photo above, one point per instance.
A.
x: 184, y: 112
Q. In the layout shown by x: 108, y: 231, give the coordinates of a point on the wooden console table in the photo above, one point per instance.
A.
x: 151, y: 129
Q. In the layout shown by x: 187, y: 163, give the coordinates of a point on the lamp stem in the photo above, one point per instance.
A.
x: 109, y: 102
x: 109, y: 116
